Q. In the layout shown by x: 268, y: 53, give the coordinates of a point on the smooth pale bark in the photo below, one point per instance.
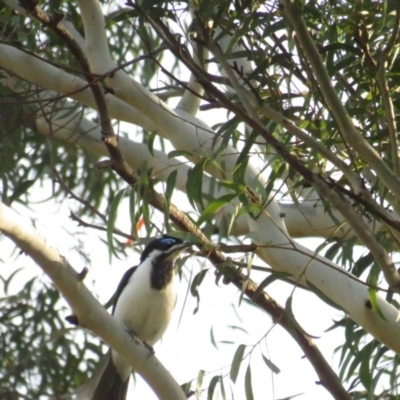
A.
x: 339, y: 286
x: 47, y: 76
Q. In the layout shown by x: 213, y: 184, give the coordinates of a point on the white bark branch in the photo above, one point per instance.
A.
x: 47, y: 76
x: 190, y: 102
x: 96, y: 42
x: 80, y: 131
x: 340, y: 287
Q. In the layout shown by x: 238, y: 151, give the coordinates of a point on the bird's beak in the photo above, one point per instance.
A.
x: 185, y: 244
x: 178, y: 248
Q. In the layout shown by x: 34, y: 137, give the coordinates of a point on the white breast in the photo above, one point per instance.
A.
x: 144, y: 311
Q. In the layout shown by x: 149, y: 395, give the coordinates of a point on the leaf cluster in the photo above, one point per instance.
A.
x: 41, y: 355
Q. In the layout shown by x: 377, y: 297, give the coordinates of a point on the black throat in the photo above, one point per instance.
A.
x: 162, y: 272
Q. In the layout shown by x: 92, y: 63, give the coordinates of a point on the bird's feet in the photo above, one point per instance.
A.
x: 151, y: 349
x: 135, y: 338
x: 131, y: 333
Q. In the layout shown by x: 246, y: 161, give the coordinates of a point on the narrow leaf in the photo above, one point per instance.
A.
x: 236, y: 362
x: 247, y: 384
x: 194, y: 184
x: 211, y: 387
x: 20, y: 189
x: 214, y: 206
x: 268, y: 280
x: 271, y: 365
x: 362, y: 264
x: 199, y: 382
x: 132, y: 212
x: 373, y: 298
x: 112, y: 217
x: 170, y: 186
x: 296, y: 325
x: 193, y: 287
x: 221, y: 383
x: 373, y: 280
x: 365, y: 368
x: 150, y: 142
x: 178, y: 153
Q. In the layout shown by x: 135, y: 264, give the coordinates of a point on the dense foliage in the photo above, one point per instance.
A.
x: 310, y: 115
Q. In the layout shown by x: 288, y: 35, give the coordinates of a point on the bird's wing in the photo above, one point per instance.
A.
x: 124, y: 281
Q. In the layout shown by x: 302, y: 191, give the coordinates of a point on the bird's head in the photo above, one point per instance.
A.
x: 164, y: 247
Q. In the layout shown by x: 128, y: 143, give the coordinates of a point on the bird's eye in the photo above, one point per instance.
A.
x: 168, y: 242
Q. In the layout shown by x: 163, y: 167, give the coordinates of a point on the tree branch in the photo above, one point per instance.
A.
x: 45, y: 75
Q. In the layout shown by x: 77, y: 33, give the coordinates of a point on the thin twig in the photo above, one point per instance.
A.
x: 116, y: 231
x: 72, y: 195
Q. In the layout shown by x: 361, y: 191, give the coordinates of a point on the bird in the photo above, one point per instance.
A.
x: 143, y: 303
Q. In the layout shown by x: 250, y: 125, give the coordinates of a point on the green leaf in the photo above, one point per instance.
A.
x: 197, y: 280
x: 333, y: 250
x: 145, y: 209
x: 112, y: 217
x: 171, y: 180
x: 170, y: 186
x: 271, y: 365
x: 295, y: 324
x: 20, y: 189
x: 194, y: 184
x: 236, y: 362
x: 239, y: 173
x: 132, y: 211
x: 8, y: 280
x: 247, y: 384
x: 186, y: 387
x: 214, y: 206
x: 211, y: 387
x: 150, y: 142
x: 212, y: 338
x: 365, y: 370
x: 243, y: 159
x: 232, y: 219
x: 362, y: 264
x: 221, y: 384
x: 178, y: 153
x: 199, y: 382
x: 373, y: 298
x: 373, y: 280
x: 268, y: 280
x: 223, y: 135
x: 353, y: 366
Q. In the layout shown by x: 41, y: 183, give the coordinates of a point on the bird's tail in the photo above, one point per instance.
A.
x: 104, y: 384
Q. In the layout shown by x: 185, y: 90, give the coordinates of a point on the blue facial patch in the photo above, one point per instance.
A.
x: 168, y: 241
